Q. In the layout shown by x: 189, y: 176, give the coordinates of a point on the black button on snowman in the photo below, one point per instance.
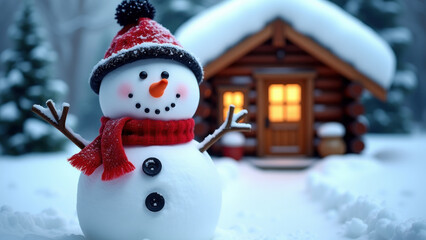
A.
x: 148, y: 93
x: 154, y: 201
x: 151, y: 166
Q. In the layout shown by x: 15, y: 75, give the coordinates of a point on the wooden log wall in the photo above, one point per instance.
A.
x: 335, y: 98
x: 353, y: 119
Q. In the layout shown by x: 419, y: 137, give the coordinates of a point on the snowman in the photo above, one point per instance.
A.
x: 144, y: 176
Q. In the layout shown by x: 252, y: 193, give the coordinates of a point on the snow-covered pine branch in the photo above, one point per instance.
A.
x: 231, y: 124
x: 58, y: 120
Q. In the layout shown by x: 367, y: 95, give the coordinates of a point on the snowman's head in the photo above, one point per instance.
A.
x: 158, y: 89
x: 145, y: 72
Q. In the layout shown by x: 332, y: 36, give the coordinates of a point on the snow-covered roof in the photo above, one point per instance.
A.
x: 212, y: 32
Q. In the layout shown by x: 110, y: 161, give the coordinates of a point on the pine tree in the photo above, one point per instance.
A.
x: 27, y: 81
x: 383, y: 16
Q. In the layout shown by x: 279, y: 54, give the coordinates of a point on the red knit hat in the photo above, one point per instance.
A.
x: 141, y: 38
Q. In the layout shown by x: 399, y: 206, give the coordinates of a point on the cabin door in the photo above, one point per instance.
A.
x: 285, y: 119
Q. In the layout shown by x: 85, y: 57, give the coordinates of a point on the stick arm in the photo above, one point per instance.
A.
x: 58, y: 120
x: 231, y: 124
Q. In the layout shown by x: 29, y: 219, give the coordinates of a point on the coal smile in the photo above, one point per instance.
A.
x: 156, y: 111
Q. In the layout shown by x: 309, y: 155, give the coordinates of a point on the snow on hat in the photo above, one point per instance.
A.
x: 141, y: 38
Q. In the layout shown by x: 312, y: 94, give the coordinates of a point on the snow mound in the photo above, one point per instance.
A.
x: 239, y: 232
x: 210, y: 33
x: 360, y: 215
x: 233, y: 139
x: 22, y: 225
x: 331, y: 129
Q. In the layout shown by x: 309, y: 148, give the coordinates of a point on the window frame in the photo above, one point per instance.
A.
x: 285, y: 104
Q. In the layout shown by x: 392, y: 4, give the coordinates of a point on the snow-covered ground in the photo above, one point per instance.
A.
x: 377, y: 195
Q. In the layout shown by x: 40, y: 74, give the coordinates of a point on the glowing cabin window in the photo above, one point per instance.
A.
x: 276, y: 103
x: 235, y: 98
x: 293, y: 93
x: 284, y: 102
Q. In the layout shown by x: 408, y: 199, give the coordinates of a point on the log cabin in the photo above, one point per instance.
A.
x: 293, y: 64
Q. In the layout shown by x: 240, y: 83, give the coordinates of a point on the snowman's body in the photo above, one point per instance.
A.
x: 188, y: 181
x: 145, y: 177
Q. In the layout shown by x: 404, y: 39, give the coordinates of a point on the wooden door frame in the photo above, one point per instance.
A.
x: 305, y: 75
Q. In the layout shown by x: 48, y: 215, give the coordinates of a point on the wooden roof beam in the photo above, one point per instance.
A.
x: 278, y: 38
x: 238, y: 51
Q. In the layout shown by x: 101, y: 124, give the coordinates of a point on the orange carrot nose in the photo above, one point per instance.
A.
x: 157, y: 89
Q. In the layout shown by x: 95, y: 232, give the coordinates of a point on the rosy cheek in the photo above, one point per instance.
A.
x: 124, y: 90
x: 183, y: 91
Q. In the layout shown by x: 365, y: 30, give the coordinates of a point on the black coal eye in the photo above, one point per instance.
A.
x: 165, y: 74
x: 143, y: 75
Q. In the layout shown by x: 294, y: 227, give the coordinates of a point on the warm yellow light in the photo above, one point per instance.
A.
x: 238, y: 99
x: 276, y: 113
x: 227, y: 99
x: 284, y: 102
x: 276, y: 93
x: 293, y: 113
x: 293, y: 93
x: 235, y: 98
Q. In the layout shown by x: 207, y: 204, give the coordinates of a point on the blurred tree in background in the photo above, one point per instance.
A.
x: 383, y: 16
x: 172, y: 13
x: 27, y: 80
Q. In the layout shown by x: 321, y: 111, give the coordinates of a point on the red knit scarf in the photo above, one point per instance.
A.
x: 107, y: 148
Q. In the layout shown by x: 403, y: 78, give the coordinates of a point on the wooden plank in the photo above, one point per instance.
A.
x: 278, y: 37
x: 261, y: 98
x: 273, y: 59
x: 249, y: 70
x: 356, y: 128
x: 309, y: 127
x: 252, y: 115
x: 353, y: 90
x: 329, y: 83
x: 205, y: 90
x: 355, y: 145
x: 291, y: 48
x: 201, y: 129
x: 354, y: 109
x: 204, y: 109
x: 325, y: 71
x: 240, y: 71
x: 264, y: 49
x: 327, y: 97
x: 333, y: 61
x: 238, y: 51
x: 269, y: 49
x: 328, y: 114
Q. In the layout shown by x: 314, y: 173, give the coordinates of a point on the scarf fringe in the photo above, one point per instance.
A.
x: 82, y: 165
x: 117, y: 171
x: 87, y: 161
